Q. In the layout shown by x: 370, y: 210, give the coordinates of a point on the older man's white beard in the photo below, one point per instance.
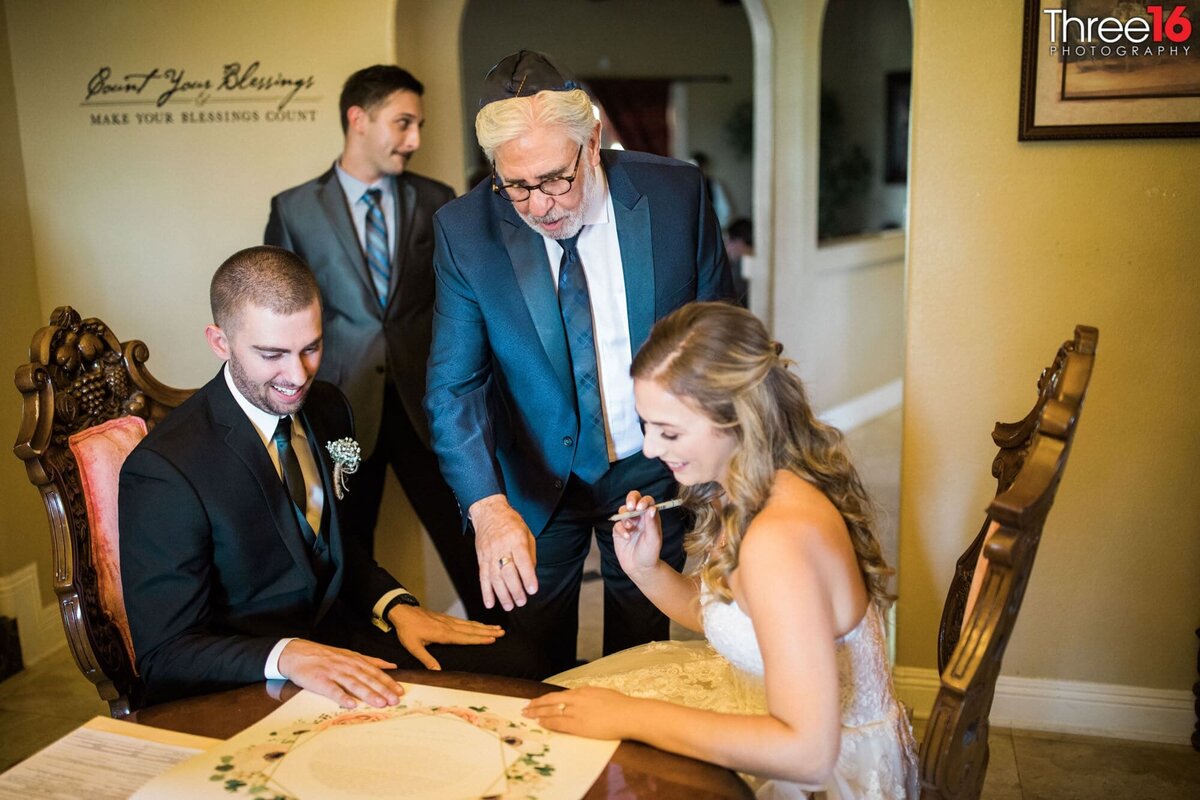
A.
x: 572, y: 220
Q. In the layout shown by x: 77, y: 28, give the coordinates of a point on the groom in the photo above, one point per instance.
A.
x: 234, y: 565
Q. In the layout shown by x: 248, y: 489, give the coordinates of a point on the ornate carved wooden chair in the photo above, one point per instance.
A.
x: 88, y: 400
x: 990, y: 578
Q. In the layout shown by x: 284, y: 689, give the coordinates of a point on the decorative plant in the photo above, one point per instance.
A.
x: 844, y: 173
x: 739, y: 129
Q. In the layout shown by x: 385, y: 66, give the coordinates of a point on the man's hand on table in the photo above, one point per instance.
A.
x: 507, y: 553
x: 416, y: 627
x: 343, y: 676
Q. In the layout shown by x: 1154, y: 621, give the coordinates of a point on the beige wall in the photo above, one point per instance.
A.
x: 427, y: 44
x: 1011, y: 245
x: 127, y: 223
x: 840, y: 316
x: 145, y: 213
x: 24, y: 537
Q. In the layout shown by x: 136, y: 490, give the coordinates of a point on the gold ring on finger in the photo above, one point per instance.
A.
x: 562, y: 709
x: 505, y: 560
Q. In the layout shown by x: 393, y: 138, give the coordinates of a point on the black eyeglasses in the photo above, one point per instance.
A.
x: 519, y: 192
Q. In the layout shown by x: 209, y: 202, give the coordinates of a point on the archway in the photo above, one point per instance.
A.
x: 714, y: 56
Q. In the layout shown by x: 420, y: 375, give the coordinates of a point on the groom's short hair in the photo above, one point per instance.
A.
x: 267, y: 277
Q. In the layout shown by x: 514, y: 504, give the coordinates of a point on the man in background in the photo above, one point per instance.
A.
x: 365, y: 228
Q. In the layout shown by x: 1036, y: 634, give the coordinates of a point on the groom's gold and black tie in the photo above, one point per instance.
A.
x: 293, y: 482
x: 289, y: 468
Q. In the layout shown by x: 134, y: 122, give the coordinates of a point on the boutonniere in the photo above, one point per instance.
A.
x: 346, y: 455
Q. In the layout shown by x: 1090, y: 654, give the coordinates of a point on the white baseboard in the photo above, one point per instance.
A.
x: 1091, y: 709
x: 862, y: 409
x: 40, y: 626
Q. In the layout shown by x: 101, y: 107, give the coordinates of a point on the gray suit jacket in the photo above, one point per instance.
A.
x: 364, y: 342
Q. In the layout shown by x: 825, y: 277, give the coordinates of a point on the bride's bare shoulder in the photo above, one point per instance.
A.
x: 800, y: 538
x: 796, y: 510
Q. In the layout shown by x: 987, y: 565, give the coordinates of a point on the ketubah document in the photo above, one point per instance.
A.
x: 437, y: 743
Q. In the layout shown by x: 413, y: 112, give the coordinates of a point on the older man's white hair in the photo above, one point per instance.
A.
x: 504, y: 120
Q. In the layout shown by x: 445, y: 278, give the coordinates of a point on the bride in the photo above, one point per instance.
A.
x: 798, y: 695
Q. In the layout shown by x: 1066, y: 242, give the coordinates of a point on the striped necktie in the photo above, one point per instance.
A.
x: 574, y: 302
x: 378, y: 259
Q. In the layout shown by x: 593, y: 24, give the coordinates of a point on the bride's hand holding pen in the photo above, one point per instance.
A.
x: 638, y: 540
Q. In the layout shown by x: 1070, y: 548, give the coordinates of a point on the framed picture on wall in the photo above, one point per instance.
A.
x: 1103, y: 69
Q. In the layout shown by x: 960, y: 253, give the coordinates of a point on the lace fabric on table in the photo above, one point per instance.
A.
x: 877, y: 760
x: 689, y: 673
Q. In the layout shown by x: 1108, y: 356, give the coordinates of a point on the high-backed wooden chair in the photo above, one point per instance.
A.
x: 87, y: 401
x: 990, y: 578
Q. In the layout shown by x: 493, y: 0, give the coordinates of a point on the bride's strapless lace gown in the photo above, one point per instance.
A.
x: 877, y: 759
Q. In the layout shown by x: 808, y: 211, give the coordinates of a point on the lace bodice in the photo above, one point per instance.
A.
x: 864, y: 675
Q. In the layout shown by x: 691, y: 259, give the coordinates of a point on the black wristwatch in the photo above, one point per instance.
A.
x: 405, y: 598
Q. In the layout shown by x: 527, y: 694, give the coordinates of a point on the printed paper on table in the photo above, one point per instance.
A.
x: 437, y: 743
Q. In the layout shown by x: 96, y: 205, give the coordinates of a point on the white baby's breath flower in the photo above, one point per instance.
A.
x: 346, y: 456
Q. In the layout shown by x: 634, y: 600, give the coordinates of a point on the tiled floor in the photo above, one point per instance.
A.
x: 1046, y: 766
x: 41, y: 704
x: 50, y: 698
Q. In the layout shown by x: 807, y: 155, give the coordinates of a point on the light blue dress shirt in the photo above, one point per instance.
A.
x: 354, y: 189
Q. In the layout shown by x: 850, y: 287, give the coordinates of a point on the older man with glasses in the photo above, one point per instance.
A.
x: 549, y: 278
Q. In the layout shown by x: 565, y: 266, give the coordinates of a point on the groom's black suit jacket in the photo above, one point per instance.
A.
x: 214, y: 567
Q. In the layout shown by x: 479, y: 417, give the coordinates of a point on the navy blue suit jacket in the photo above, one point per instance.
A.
x: 500, y: 396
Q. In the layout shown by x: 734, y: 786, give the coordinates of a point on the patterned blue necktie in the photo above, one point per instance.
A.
x: 591, y: 454
x: 378, y: 259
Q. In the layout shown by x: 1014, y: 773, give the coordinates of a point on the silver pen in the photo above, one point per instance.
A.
x: 663, y: 506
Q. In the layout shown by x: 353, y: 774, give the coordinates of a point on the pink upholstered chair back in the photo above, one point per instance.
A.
x: 99, y: 453
x: 87, y: 401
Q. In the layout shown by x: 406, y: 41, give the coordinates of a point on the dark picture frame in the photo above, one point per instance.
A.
x: 1104, y: 91
x: 895, y: 147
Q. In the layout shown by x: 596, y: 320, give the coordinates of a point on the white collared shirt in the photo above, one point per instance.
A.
x: 600, y: 253
x: 265, y: 423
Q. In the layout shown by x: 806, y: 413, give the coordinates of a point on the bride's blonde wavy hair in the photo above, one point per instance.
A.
x: 719, y: 359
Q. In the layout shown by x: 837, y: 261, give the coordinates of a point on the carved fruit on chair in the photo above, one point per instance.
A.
x: 67, y: 354
x: 90, y: 346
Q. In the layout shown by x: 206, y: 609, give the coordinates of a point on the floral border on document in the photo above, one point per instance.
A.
x: 250, y: 769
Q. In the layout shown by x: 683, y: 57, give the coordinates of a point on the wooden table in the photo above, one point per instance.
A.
x: 635, y: 771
